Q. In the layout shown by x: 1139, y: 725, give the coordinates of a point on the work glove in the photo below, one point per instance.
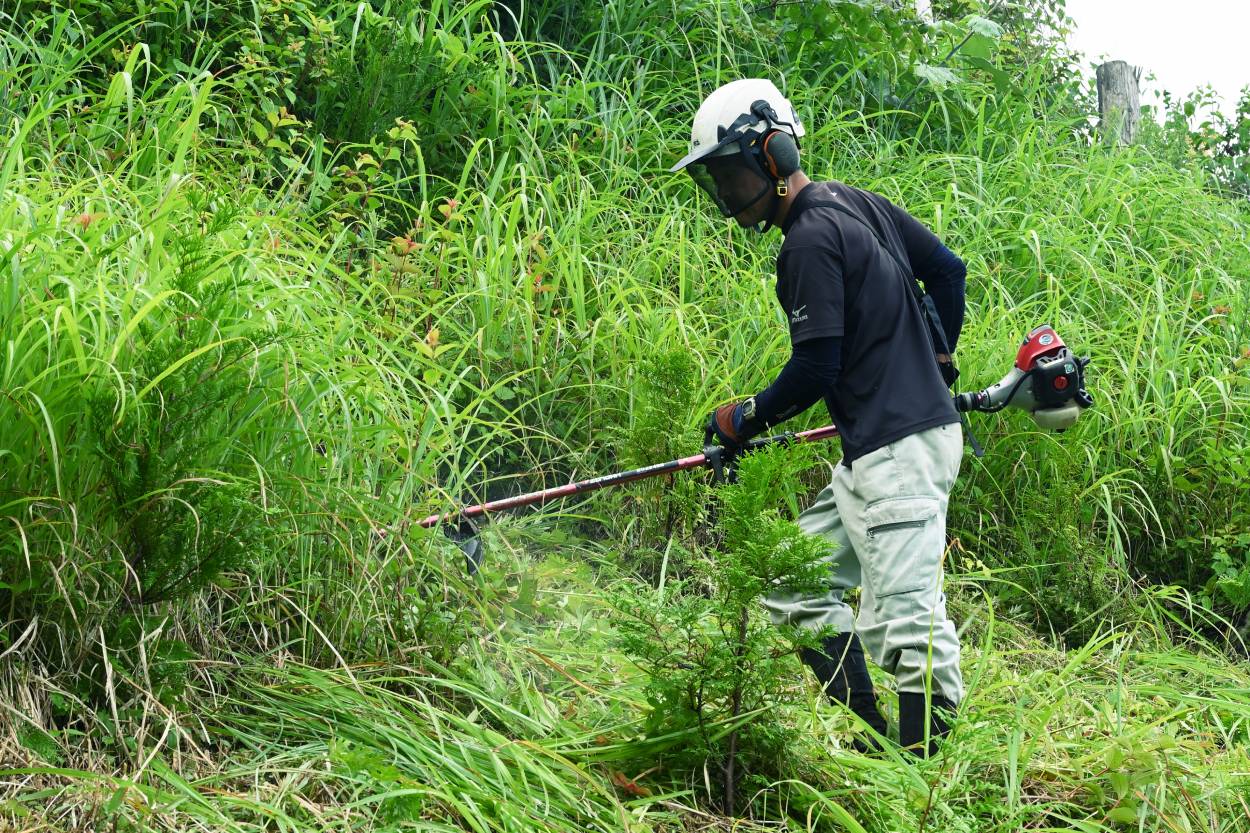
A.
x: 949, y: 372
x: 732, y: 425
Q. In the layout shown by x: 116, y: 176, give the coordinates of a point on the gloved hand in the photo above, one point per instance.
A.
x: 949, y: 372
x: 732, y: 425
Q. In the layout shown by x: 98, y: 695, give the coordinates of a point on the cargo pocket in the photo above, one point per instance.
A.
x: 904, y: 545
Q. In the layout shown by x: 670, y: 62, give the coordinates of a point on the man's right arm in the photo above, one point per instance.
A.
x: 809, y: 288
x: 807, y: 378
x: 811, y: 295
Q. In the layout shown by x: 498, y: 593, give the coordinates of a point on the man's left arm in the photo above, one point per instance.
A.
x: 944, y: 277
x: 938, y: 269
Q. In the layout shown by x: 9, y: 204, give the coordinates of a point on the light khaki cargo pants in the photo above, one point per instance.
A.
x: 886, y: 516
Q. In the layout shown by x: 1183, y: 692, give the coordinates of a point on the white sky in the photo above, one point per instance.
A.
x: 1185, y: 43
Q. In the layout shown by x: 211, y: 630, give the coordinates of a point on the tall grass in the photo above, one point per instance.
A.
x: 254, y: 327
x: 185, y: 396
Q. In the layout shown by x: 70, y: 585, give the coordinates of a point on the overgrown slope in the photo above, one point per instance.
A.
x: 281, y: 277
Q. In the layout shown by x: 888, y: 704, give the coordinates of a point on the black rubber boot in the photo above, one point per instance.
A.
x: 911, y: 722
x: 843, y: 673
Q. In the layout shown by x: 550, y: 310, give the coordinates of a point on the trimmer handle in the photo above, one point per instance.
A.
x: 971, y: 401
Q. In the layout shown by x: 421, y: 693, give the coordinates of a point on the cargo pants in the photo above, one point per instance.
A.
x: 886, y: 517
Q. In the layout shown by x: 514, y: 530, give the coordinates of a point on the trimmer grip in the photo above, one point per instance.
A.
x: 970, y: 401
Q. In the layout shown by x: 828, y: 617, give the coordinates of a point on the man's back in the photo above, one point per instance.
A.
x: 835, y: 279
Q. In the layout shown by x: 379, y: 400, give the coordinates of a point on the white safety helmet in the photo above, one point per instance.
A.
x: 745, y: 118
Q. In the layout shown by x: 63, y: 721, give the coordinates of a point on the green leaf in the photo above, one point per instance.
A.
x: 1114, y: 756
x: 115, y: 801
x: 1001, y: 79
x: 937, y: 76
x: 1123, y: 814
x: 1184, y: 484
x: 452, y: 45
x: 40, y: 742
x: 979, y: 46
x: 983, y: 26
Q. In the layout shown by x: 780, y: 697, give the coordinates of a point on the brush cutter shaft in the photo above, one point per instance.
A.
x: 604, y: 481
x: 1047, y: 380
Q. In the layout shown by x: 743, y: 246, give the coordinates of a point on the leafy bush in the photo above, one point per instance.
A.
x: 1211, y: 482
x: 1218, y: 145
x: 264, y: 50
x: 187, y: 404
x: 712, y: 659
x: 131, y: 464
x: 661, y: 518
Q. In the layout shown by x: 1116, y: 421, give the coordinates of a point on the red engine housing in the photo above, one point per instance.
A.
x: 1041, y: 341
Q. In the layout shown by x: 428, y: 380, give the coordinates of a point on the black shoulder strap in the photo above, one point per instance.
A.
x: 848, y: 211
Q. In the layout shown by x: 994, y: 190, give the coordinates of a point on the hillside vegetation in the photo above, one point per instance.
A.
x: 279, y: 278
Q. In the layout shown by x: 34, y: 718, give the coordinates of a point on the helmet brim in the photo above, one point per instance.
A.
x: 718, y: 149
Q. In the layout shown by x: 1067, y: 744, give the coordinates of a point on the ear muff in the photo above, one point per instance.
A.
x: 780, y: 153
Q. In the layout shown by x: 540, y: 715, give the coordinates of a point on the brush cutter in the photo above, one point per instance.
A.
x: 462, y: 529
x: 1047, y: 380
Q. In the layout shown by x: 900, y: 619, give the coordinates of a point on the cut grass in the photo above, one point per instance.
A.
x: 526, y: 731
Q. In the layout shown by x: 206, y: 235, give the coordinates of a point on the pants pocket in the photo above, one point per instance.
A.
x: 904, y: 543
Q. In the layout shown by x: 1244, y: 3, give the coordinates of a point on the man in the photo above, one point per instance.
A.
x: 862, y: 341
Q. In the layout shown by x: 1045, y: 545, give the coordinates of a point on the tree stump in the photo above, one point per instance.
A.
x: 1119, y: 103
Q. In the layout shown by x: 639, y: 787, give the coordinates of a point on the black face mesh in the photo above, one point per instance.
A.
x: 703, y: 178
x: 734, y: 182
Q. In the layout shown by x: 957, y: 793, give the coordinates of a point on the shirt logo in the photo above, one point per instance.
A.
x: 798, y: 315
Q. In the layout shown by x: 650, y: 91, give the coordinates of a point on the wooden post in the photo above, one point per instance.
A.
x: 1119, y: 104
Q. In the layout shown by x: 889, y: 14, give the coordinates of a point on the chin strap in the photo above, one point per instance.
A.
x: 781, y: 189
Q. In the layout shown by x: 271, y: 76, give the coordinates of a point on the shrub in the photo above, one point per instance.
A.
x: 712, y: 659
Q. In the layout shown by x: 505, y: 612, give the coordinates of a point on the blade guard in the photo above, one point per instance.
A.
x: 1041, y: 341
